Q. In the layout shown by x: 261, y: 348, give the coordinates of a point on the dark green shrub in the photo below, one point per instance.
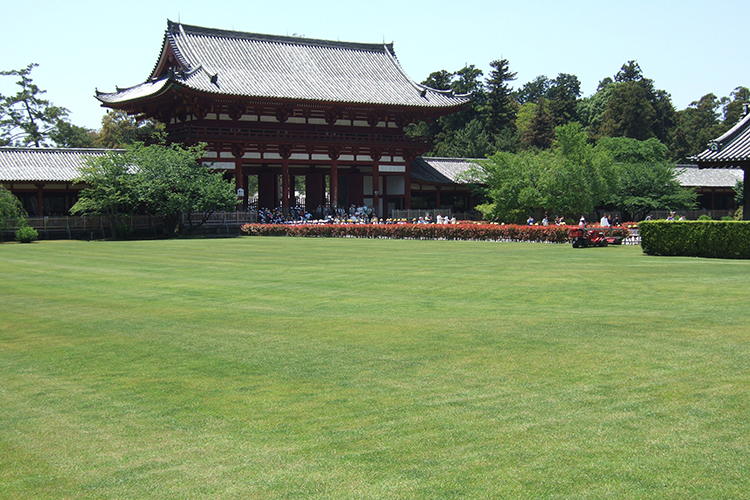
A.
x: 715, y: 239
x: 123, y: 230
x: 26, y: 234
x: 705, y: 217
x: 727, y: 217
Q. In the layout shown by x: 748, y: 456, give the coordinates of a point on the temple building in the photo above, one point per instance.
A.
x: 280, y: 107
x: 731, y: 150
x: 45, y: 179
x: 714, y: 186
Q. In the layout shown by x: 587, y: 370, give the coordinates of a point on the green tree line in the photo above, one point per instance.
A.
x: 625, y: 105
x: 575, y: 177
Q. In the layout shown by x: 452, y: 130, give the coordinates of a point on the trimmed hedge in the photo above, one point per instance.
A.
x: 488, y: 232
x: 714, y: 239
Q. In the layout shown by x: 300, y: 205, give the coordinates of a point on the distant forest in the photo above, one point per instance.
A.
x: 625, y: 105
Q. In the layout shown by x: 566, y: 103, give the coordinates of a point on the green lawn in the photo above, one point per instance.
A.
x: 343, y: 368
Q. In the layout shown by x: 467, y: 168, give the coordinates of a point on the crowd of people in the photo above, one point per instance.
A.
x: 560, y: 221
x: 339, y: 215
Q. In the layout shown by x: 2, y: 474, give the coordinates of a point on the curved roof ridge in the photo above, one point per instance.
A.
x: 175, y: 28
x: 732, y: 131
x: 185, y: 42
x: 417, y: 86
x: 731, y: 147
x: 453, y: 158
x: 54, y: 149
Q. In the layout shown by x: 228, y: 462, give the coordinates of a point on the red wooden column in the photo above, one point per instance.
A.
x: 238, y: 151
x: 285, y: 152
x: 408, y: 157
x: 333, y: 153
x: 292, y: 197
x: 375, y: 154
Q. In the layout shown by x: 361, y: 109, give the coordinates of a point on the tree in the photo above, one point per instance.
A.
x: 563, y: 95
x: 12, y: 214
x: 501, y: 105
x: 539, y: 132
x: 471, y: 141
x: 67, y: 135
x: 159, y: 179
x: 532, y: 91
x: 629, y: 113
x: 120, y: 130
x: 110, y: 190
x: 440, y: 80
x: 739, y: 192
x: 696, y: 126
x: 647, y: 181
x: 628, y: 106
x: 733, y: 108
x: 26, y: 118
x: 571, y: 178
x: 457, y: 134
x: 592, y: 177
x: 590, y: 110
x: 170, y: 180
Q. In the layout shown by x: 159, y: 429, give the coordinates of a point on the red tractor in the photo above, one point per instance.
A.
x: 583, y: 238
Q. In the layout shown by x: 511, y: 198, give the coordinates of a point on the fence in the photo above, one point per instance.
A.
x: 99, y: 226
x: 693, y: 214
x: 663, y: 214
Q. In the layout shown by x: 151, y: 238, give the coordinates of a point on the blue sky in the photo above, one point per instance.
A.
x: 689, y: 48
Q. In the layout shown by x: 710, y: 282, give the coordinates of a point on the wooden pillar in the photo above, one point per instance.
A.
x: 238, y: 151
x: 437, y: 198
x: 334, y: 184
x: 239, y: 184
x: 247, y: 194
x: 333, y: 153
x: 292, y: 192
x: 408, y: 157
x: 285, y: 186
x: 285, y: 152
x: 376, y: 154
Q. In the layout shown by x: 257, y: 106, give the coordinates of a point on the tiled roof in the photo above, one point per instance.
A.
x: 729, y: 149
x: 441, y: 170
x: 43, y: 164
x: 242, y: 64
x: 692, y: 176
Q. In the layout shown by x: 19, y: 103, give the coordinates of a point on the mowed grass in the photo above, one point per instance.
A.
x: 344, y: 368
